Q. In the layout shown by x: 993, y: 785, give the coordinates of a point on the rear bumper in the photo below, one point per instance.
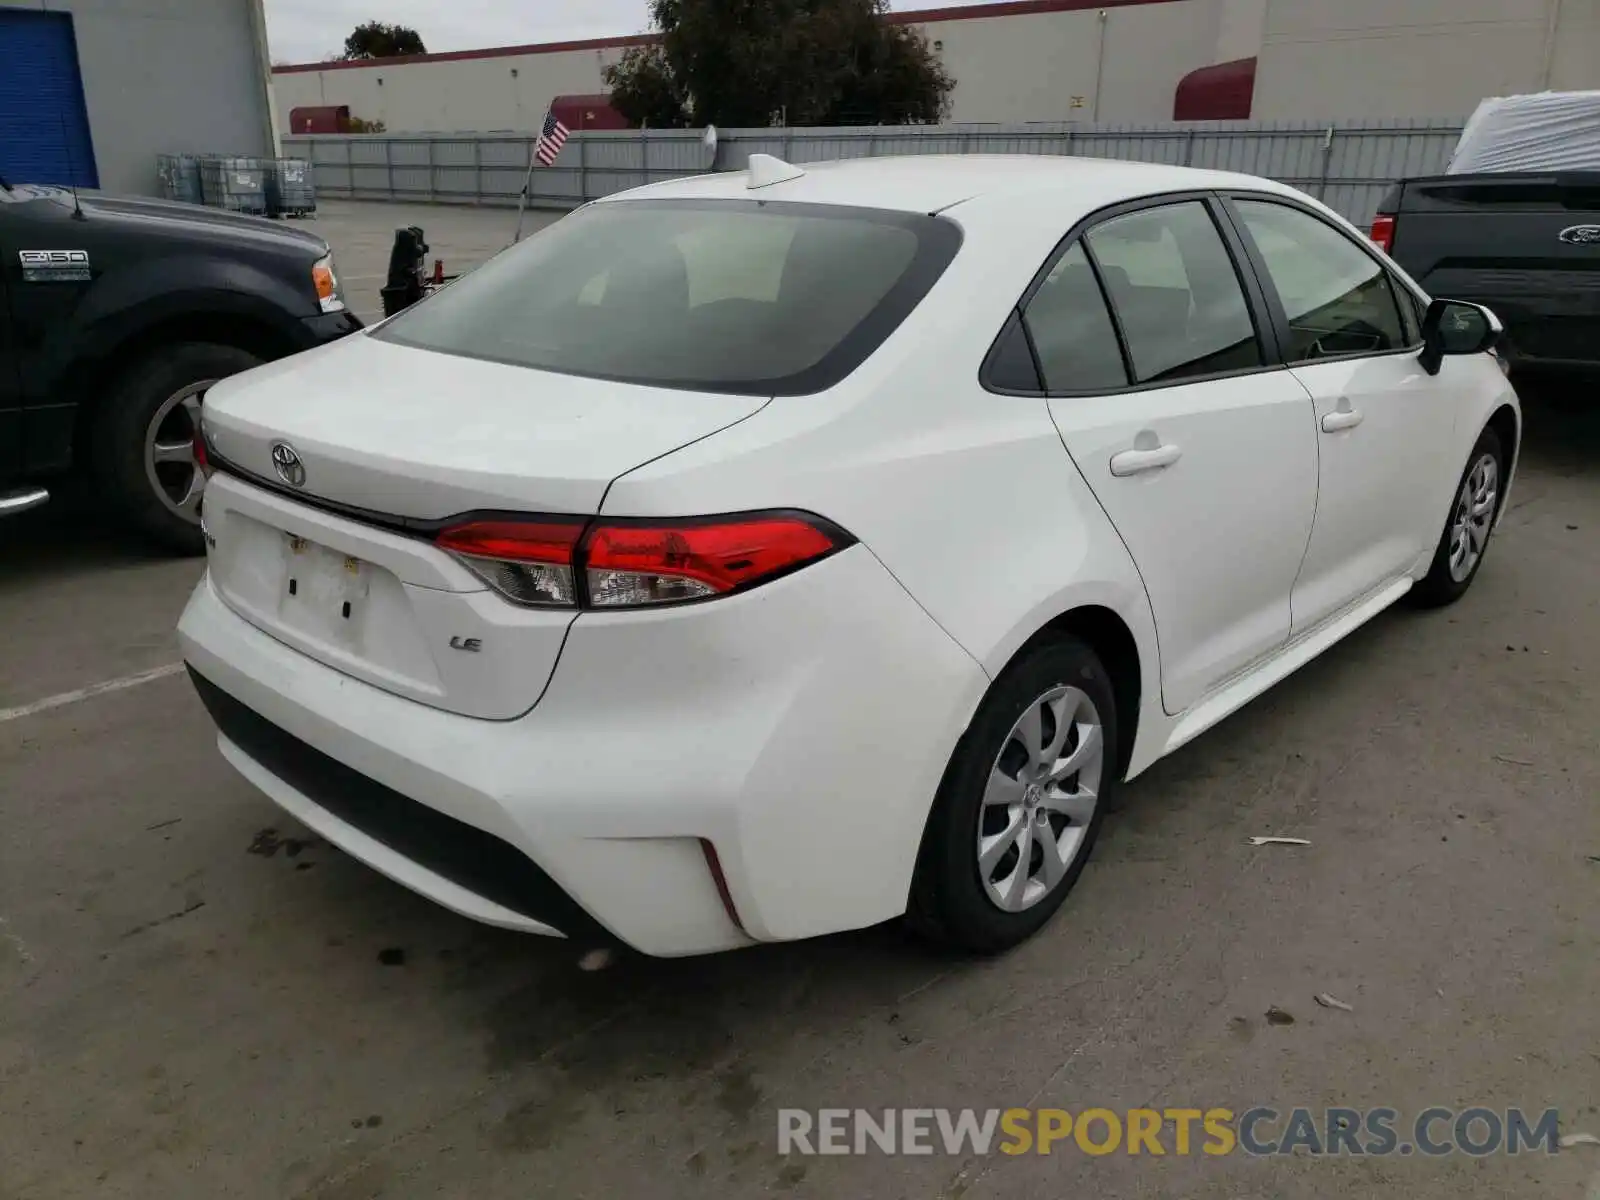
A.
x: 800, y: 729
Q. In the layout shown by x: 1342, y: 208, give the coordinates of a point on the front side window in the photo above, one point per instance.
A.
x: 1176, y: 293
x: 1337, y: 297
x: 749, y: 297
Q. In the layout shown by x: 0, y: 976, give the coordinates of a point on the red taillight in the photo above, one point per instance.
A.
x: 629, y: 563
x: 528, y: 562
x: 1383, y: 232
x: 520, y: 541
x: 635, y: 563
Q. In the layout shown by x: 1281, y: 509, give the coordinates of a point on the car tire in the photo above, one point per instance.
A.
x: 1474, y: 507
x: 966, y: 894
x: 138, y: 440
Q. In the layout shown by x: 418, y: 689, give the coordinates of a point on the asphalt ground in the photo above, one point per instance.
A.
x: 199, y: 999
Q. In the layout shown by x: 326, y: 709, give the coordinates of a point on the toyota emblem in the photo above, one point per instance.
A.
x: 286, y: 462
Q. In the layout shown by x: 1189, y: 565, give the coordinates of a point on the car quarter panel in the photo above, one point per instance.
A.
x: 967, y: 497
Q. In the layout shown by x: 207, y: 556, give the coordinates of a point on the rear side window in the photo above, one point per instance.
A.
x: 1072, y: 331
x: 750, y: 297
x: 1176, y: 293
x: 1337, y: 298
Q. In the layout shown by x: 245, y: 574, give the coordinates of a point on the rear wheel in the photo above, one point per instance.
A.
x: 1021, y: 803
x: 1465, y: 539
x: 143, y: 443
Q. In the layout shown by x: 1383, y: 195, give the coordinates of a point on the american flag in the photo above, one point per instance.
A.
x: 550, y: 141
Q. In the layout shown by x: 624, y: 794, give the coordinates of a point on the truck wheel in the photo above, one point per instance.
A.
x: 143, y: 443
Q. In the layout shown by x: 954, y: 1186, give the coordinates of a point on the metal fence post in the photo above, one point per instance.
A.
x: 1327, y: 161
x: 433, y: 185
x: 583, y: 167
x: 388, y: 165
x: 477, y: 171
x: 1188, y: 150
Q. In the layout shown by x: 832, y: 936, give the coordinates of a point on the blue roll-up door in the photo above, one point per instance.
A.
x: 44, y: 127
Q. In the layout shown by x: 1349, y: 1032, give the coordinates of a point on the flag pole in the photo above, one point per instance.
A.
x: 527, y: 189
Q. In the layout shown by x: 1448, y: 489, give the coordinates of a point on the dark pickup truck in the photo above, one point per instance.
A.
x: 115, y: 316
x: 1527, y: 245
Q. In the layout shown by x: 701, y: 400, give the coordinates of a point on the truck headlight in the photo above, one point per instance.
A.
x: 327, y: 285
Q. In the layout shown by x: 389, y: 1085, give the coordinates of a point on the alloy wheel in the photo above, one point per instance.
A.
x: 169, y: 452
x: 1475, y: 509
x: 1040, y: 799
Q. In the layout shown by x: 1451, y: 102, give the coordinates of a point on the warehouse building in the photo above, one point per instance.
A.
x: 92, y: 90
x: 1065, y: 60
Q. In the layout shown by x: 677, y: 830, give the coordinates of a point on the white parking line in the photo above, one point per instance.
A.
x: 94, y: 689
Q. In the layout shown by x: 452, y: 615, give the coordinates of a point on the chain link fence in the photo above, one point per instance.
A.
x: 1346, y: 164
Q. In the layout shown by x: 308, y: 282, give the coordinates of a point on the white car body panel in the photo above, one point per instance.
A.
x: 404, y: 432
x: 374, y: 853
x: 800, y: 729
x: 1240, y: 440
x: 1376, y: 480
x: 1248, y: 685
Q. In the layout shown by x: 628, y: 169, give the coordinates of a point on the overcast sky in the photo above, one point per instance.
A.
x: 310, y: 30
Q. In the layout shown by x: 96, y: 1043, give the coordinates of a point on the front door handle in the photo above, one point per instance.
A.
x: 1131, y: 462
x: 1342, y: 417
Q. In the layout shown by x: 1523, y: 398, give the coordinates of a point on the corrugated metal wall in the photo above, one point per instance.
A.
x: 1346, y: 164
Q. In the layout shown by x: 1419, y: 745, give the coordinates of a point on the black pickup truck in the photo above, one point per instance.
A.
x: 115, y: 316
x: 1527, y: 245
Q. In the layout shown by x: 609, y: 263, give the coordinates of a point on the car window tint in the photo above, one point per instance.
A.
x: 1072, y: 331
x: 1011, y: 366
x: 1337, y: 297
x: 1176, y: 293
x: 735, y: 296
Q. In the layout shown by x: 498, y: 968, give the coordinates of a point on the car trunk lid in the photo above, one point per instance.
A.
x: 330, y: 547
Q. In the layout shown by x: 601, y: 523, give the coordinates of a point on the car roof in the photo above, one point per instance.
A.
x: 933, y: 182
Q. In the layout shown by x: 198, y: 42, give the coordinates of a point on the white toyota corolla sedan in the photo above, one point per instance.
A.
x: 759, y: 555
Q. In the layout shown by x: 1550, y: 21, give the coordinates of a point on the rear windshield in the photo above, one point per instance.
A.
x: 741, y: 296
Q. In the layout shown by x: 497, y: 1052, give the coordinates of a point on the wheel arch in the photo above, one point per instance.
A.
x: 1508, y: 427
x: 1105, y: 632
x: 97, y: 377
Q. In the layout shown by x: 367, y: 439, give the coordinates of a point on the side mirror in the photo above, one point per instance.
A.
x: 1456, y: 327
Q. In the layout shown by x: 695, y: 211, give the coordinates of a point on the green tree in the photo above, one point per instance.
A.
x: 377, y: 40
x: 755, y: 62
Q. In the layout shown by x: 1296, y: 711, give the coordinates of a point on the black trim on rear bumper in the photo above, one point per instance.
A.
x: 452, y: 849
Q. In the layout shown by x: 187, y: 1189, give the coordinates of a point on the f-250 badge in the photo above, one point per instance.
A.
x: 55, y: 266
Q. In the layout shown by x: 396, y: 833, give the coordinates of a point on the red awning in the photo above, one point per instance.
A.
x: 1221, y: 92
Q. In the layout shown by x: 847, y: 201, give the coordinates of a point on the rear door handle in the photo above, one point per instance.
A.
x: 1343, y: 417
x: 1131, y: 462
